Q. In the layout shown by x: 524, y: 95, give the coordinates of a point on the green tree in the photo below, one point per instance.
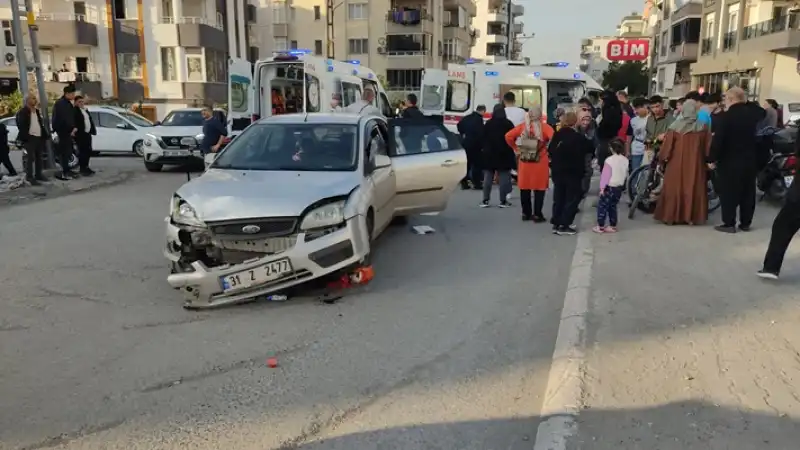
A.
x: 10, y: 104
x: 632, y: 75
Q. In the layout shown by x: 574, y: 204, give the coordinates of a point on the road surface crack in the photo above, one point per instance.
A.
x: 65, y: 438
x: 66, y: 294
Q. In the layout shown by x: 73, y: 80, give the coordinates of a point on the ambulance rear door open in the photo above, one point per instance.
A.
x: 433, y: 92
x: 528, y: 89
x: 447, y: 93
x: 241, y: 93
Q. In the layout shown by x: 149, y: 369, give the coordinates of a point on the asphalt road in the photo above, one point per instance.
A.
x: 448, y: 347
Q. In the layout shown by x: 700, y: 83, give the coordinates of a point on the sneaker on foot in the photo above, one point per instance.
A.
x: 527, y: 218
x: 598, y: 229
x: 767, y: 275
x: 555, y: 229
x: 566, y: 231
x: 610, y: 229
x: 484, y: 204
x: 505, y: 204
x: 539, y: 219
x: 573, y: 227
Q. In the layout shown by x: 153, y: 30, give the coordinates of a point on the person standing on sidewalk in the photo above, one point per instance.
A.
x: 734, y: 155
x: 567, y: 152
x: 64, y: 127
x: 534, y: 134
x: 471, y: 130
x: 32, y: 134
x: 83, y: 137
x: 612, y: 181
x: 5, y: 150
x: 785, y: 226
x: 497, y: 156
x: 214, y: 132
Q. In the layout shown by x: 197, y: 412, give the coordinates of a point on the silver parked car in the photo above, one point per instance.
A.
x: 296, y: 198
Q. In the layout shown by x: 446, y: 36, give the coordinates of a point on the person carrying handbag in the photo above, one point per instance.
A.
x: 533, y: 134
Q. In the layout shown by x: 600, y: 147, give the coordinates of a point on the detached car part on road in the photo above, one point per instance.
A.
x: 297, y: 198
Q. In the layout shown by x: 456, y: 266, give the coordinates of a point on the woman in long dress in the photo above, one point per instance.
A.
x: 533, y: 176
x: 684, y: 196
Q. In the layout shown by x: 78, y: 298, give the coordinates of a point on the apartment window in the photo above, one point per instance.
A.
x: 79, y: 8
x: 663, y: 50
x: 166, y: 8
x: 404, y: 79
x: 357, y: 11
x: 318, y: 47
x: 317, y: 13
x: 279, y: 15
x: 128, y: 66
x: 359, y: 46
x: 710, y: 26
x: 194, y: 64
x: 733, y: 18
x: 216, y: 65
x: 597, y: 48
x: 281, y: 43
x: 293, y: 45
x: 119, y: 9
x: 169, y: 68
x: 8, y: 35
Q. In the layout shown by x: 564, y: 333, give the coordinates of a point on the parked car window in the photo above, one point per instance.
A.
x: 296, y: 147
x: 10, y: 122
x: 412, y: 137
x: 351, y: 93
x: 183, y: 119
x: 95, y: 118
x: 136, y: 119
x: 108, y: 120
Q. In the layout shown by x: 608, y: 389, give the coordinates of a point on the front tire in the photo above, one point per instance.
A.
x: 153, y: 167
x: 138, y: 148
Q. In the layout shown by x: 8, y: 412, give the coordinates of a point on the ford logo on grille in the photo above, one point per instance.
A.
x: 176, y: 141
x: 251, y: 229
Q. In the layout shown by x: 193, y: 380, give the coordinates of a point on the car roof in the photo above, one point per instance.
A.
x: 334, y: 118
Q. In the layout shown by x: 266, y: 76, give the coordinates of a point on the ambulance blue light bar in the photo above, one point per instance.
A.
x: 491, y: 73
x: 354, y: 62
x: 577, y: 76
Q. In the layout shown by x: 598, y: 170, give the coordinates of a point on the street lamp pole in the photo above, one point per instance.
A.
x: 329, y: 31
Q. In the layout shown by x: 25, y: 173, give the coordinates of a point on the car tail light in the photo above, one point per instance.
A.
x: 790, y: 163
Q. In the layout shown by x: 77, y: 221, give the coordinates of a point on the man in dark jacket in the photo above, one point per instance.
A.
x: 785, y: 226
x: 64, y: 126
x: 83, y: 137
x: 32, y: 134
x: 411, y: 111
x: 5, y: 151
x: 471, y: 130
x: 734, y: 156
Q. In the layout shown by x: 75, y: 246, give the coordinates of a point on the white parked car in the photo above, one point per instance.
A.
x: 118, y: 129
x: 299, y: 198
x: 174, y: 140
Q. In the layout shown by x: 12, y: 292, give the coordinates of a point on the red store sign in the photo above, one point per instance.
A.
x: 628, y: 50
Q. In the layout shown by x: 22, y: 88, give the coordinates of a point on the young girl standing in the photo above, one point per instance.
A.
x: 612, y: 181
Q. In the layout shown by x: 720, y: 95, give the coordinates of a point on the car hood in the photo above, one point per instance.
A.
x: 243, y: 194
x: 174, y: 131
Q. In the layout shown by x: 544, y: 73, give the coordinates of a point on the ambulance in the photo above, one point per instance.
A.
x: 294, y: 81
x: 455, y: 92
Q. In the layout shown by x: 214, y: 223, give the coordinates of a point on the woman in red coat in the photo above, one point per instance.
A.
x: 533, y: 175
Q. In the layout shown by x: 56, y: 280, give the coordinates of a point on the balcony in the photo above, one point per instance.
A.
x: 517, y: 28
x: 683, y: 52
x: 66, y: 30
x: 280, y: 30
x: 679, y: 89
x: 729, y: 41
x: 458, y: 33
x: 88, y: 84
x: 517, y: 10
x: 469, y: 6
x: 198, y: 32
x: 497, y: 50
x: 126, y: 36
x: 771, y: 35
x: 497, y: 16
x: 707, y: 46
x: 688, y: 9
x: 251, y: 14
x: 497, y: 39
x: 409, y: 59
x: 409, y: 21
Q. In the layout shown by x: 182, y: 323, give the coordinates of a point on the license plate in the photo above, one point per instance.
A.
x: 788, y: 180
x: 257, y: 275
x: 176, y: 153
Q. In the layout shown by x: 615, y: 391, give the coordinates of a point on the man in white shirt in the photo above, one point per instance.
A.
x: 514, y: 113
x: 364, y: 106
x: 83, y: 137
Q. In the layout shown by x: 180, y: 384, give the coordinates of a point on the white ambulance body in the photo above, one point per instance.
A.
x: 306, y: 83
x: 455, y: 92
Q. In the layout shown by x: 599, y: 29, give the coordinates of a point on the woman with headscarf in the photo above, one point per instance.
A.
x: 684, y: 196
x: 610, y: 126
x: 497, y: 156
x: 534, y: 164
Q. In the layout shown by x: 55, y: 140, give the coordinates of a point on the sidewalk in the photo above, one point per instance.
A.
x: 687, y: 348
x: 57, y: 188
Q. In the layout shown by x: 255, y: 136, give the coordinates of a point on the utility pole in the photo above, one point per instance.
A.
x: 329, y: 31
x: 509, y: 30
x: 24, y: 66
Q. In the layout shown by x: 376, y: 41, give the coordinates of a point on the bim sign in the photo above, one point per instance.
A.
x: 628, y: 50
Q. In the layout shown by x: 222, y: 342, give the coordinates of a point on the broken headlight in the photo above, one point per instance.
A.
x: 182, y: 213
x: 324, y: 216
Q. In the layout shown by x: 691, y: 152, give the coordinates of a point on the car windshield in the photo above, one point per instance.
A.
x: 136, y: 119
x: 183, y: 119
x: 301, y: 147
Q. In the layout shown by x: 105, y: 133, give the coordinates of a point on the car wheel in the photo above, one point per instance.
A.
x: 138, y: 148
x: 153, y: 167
x: 73, y: 161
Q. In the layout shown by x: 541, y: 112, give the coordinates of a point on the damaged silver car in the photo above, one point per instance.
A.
x: 297, y: 198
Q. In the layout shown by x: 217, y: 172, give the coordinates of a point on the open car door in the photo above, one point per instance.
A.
x: 428, y: 161
x: 240, y: 95
x: 433, y: 92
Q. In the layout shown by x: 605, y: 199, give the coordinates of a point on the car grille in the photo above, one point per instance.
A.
x: 243, y: 229
x: 172, y: 141
x: 268, y: 246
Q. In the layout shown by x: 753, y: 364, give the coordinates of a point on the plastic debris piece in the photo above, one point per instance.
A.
x: 362, y: 275
x: 422, y: 229
x: 278, y: 298
x: 272, y: 362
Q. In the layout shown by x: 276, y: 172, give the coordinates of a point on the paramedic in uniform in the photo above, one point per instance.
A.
x: 364, y: 106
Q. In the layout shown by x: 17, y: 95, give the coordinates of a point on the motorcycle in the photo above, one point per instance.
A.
x: 777, y: 173
x: 73, y: 159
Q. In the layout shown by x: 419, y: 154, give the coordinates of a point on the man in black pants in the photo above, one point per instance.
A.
x: 471, y: 130
x: 83, y: 137
x: 734, y: 156
x: 785, y: 226
x: 64, y: 127
x: 32, y: 134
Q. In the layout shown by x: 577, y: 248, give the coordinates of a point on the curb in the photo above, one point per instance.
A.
x: 56, y: 192
x: 563, y: 398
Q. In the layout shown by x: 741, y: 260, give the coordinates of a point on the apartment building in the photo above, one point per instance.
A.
x: 498, y: 30
x: 594, y: 50
x: 676, y: 39
x: 395, y: 38
x: 752, y: 44
x: 163, y: 54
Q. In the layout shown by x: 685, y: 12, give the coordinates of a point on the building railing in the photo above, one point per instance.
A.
x: 729, y: 41
x: 70, y: 77
x: 706, y: 46
x: 407, y: 52
x: 411, y: 17
x: 767, y: 27
x: 192, y: 20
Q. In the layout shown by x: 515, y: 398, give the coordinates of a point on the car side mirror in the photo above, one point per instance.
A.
x: 122, y: 126
x: 157, y: 123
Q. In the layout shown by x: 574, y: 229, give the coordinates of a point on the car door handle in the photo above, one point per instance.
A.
x: 449, y: 163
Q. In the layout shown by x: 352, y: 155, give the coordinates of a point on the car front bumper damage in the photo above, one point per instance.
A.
x: 312, y: 255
